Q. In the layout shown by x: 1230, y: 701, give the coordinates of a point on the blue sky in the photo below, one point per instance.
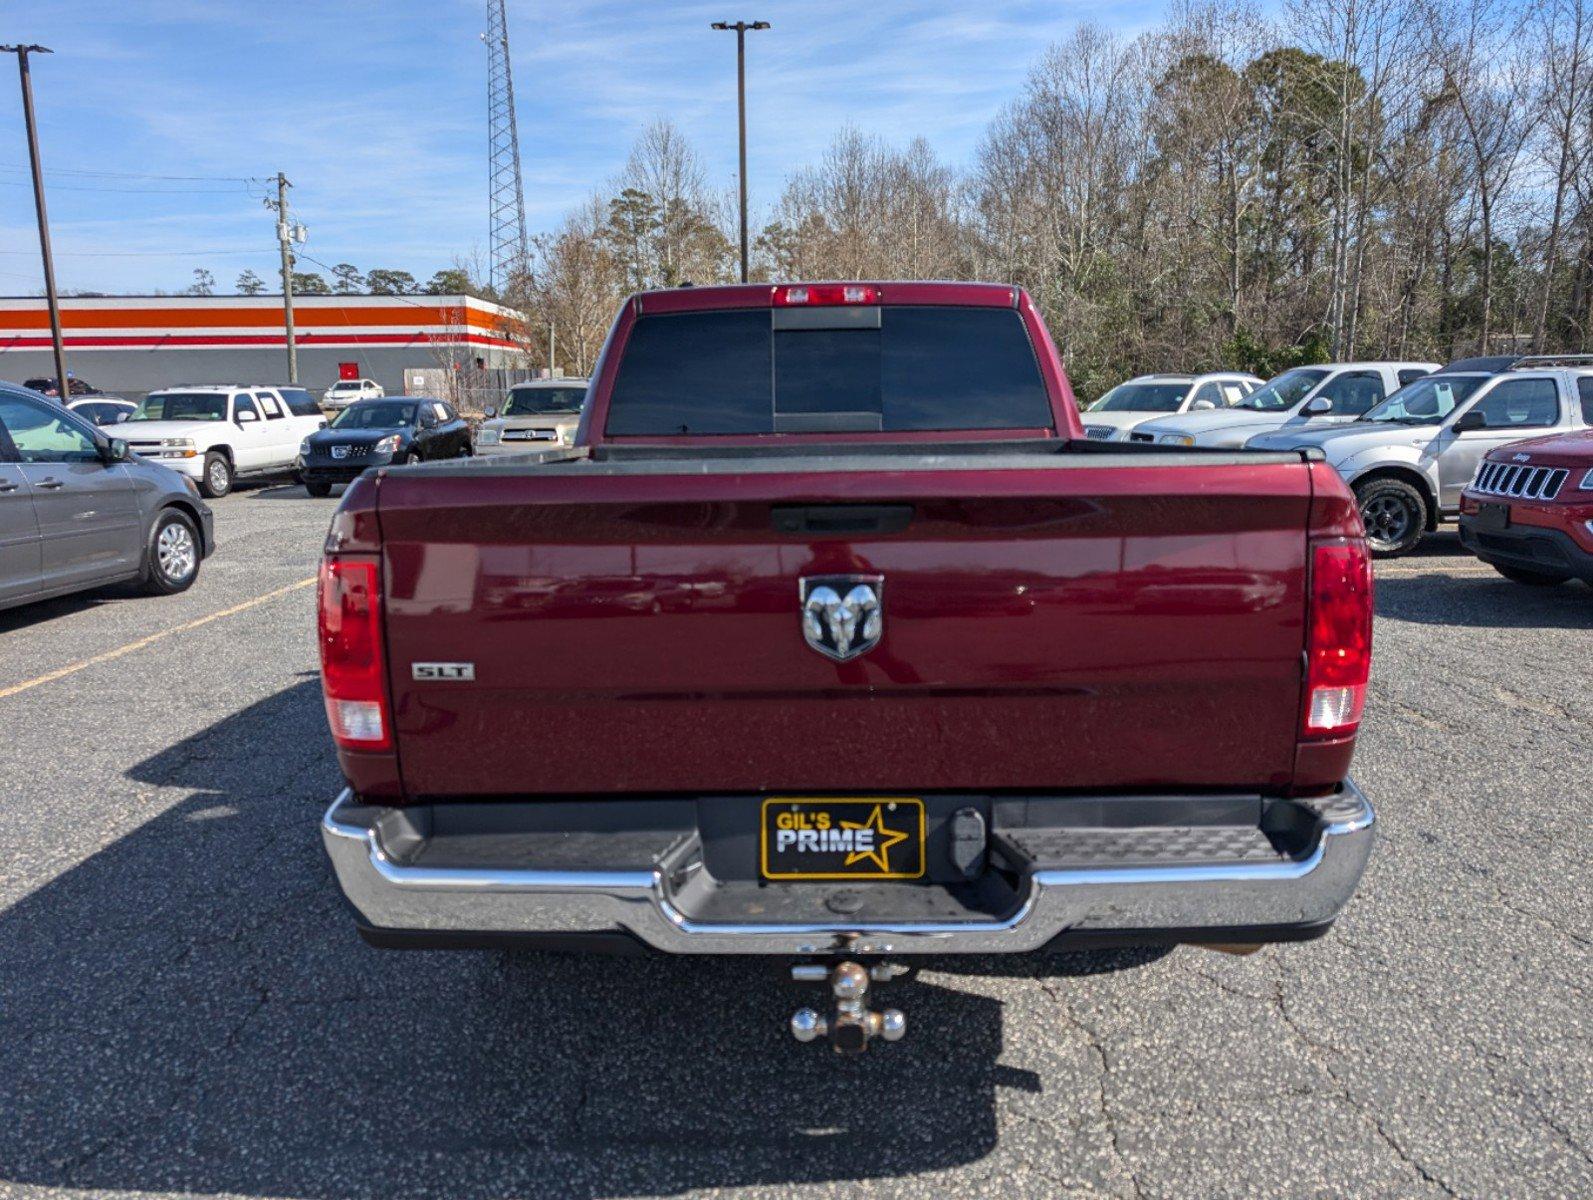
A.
x: 376, y: 112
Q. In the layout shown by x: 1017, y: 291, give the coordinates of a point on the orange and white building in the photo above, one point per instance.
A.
x: 130, y: 345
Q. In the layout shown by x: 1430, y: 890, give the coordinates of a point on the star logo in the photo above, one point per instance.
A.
x: 884, y: 839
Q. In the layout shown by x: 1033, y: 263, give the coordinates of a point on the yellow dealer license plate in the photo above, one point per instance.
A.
x: 810, y: 838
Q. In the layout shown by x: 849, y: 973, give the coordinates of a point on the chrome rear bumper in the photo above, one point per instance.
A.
x: 1271, y: 900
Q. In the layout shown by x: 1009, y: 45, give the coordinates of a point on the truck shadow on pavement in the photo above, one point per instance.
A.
x: 1482, y: 601
x: 190, y: 1009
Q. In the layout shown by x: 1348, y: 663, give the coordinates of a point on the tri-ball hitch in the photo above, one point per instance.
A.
x: 851, y: 1024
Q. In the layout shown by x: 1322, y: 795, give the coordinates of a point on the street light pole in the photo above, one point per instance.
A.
x: 741, y: 28
x: 61, y: 388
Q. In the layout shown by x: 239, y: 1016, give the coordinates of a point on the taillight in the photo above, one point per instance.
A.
x: 826, y: 293
x: 1338, y: 653
x: 350, y: 625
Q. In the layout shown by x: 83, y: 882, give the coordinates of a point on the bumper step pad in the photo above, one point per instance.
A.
x: 1063, y: 849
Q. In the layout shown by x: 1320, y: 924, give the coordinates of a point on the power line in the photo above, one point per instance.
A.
x: 9, y: 165
x: 136, y: 191
x: 141, y: 253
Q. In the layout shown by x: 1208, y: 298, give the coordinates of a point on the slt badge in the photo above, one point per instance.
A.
x: 842, y: 615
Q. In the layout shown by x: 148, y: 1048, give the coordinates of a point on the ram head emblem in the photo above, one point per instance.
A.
x: 843, y: 615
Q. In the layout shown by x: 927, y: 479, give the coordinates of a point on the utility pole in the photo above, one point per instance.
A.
x: 61, y: 387
x: 288, y: 232
x: 741, y: 28
x: 553, y: 343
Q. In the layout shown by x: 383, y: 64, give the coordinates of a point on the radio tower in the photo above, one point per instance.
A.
x: 506, y: 197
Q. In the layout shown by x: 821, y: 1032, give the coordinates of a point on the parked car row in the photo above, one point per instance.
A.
x: 1408, y: 437
x: 1306, y: 397
x: 1409, y: 458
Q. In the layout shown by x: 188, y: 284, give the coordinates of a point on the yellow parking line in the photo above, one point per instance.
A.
x: 120, y: 651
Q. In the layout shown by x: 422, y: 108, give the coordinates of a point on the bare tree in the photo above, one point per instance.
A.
x: 575, y: 285
x: 1488, y: 80
x: 1564, y: 28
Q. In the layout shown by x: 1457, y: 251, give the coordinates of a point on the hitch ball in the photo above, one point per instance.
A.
x: 892, y: 1024
x: 807, y: 1025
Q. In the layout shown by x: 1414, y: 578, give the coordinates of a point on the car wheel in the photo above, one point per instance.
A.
x: 1529, y: 576
x: 217, y: 479
x: 172, y: 557
x: 411, y: 459
x: 1395, y: 516
x: 319, y: 490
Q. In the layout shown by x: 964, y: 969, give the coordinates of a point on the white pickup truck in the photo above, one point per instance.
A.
x: 215, y: 432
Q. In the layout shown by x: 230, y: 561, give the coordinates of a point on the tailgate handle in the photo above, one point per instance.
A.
x: 841, y: 518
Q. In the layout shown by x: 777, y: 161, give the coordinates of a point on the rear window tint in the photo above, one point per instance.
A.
x: 920, y: 368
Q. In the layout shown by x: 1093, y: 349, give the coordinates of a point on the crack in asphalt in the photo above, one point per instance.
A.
x: 1097, y: 1048
x: 1492, y: 1061
x: 1320, y: 1055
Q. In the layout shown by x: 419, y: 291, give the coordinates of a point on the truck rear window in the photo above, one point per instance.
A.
x: 890, y: 369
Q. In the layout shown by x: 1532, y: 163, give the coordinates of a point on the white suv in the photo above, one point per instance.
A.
x: 215, y: 432
x: 349, y: 391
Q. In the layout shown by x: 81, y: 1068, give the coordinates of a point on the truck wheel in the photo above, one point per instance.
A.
x: 1395, y: 516
x: 172, y: 557
x: 217, y: 479
x: 319, y: 490
x: 1529, y: 576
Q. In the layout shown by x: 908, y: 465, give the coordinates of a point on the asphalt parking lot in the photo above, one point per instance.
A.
x: 184, y: 1006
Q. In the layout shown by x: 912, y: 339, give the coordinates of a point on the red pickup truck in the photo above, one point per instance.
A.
x: 833, y: 638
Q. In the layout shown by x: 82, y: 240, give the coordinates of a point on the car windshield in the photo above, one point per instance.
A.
x: 181, y: 406
x: 1285, y: 391
x: 1427, y: 401
x: 347, y: 385
x: 537, y: 401
x: 378, y: 414
x: 1142, y: 397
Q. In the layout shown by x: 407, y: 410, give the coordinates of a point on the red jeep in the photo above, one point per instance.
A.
x: 1529, y: 511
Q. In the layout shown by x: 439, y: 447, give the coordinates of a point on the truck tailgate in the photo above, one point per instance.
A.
x: 1055, y: 628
